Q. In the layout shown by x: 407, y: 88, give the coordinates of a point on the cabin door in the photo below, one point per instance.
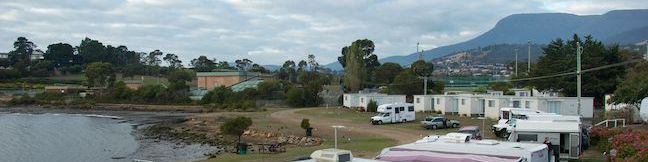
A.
x: 574, y: 145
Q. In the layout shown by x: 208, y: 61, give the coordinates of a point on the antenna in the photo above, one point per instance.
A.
x: 420, y: 56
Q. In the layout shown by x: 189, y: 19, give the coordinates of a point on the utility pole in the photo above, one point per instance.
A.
x: 420, y: 56
x: 529, y: 55
x: 516, y: 62
x: 646, y: 55
x: 578, y: 76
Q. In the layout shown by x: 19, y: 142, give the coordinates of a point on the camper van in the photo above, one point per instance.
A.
x: 504, y: 124
x: 565, y: 136
x: 459, y: 147
x: 394, y: 113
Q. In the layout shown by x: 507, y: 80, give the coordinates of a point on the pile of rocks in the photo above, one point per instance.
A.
x: 286, y: 139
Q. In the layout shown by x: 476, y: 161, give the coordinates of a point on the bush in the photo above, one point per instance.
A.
x: 305, y: 123
x: 372, y: 106
x: 302, y: 97
x: 236, y: 126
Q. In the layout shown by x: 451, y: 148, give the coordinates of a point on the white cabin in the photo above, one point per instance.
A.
x: 381, y: 99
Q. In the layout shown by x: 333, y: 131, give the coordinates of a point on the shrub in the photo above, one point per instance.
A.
x: 236, y: 126
x: 305, y: 123
x: 372, y: 106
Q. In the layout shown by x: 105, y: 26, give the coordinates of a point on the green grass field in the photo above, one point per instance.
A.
x: 351, y: 115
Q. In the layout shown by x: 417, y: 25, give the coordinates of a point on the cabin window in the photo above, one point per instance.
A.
x: 402, y: 108
x: 362, y: 100
x: 410, y: 108
x: 418, y: 100
x: 527, y: 137
x: 437, y: 100
x: 516, y: 104
x: 463, y: 101
x: 527, y: 104
x: 346, y: 97
x: 491, y: 103
x: 553, y: 106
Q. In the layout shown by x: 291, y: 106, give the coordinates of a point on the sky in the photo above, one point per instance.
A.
x: 270, y: 32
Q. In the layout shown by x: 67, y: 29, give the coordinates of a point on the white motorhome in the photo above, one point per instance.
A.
x: 565, y: 136
x: 503, y: 126
x: 459, y: 147
x: 394, y: 113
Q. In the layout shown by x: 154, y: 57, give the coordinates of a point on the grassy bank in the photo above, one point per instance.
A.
x: 363, y: 117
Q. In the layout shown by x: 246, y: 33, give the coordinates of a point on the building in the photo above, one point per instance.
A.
x: 360, y: 100
x: 134, y: 84
x: 210, y: 80
x: 37, y: 55
x: 489, y: 104
x: 67, y: 89
x: 4, y: 55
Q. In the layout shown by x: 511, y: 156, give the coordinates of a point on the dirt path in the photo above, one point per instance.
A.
x: 324, y: 124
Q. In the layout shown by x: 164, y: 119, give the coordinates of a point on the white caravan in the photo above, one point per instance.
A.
x: 643, y: 112
x: 394, y: 113
x: 459, y: 147
x: 565, y: 136
x: 508, y: 115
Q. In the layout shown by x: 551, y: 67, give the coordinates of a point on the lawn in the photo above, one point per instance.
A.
x: 362, y: 145
x: 351, y: 115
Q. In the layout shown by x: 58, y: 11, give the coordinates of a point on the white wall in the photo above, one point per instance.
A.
x: 423, y: 103
x: 381, y: 99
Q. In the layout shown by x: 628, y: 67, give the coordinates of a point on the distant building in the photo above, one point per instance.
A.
x: 134, y: 84
x: 4, y: 55
x: 488, y: 105
x: 67, y: 89
x: 37, y: 55
x: 210, y: 80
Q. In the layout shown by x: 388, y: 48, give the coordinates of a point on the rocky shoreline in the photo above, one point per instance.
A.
x: 154, y: 131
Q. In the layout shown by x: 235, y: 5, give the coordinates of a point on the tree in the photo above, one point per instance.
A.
x: 60, y: 54
x: 173, y: 61
x: 305, y: 124
x: 20, y: 56
x: 406, y: 83
x: 152, y: 59
x: 288, y: 71
x: 131, y: 70
x: 100, y: 74
x: 42, y: 69
x: 91, y: 51
x: 243, y: 65
x: 634, y: 88
x: 236, y: 127
x: 178, y: 80
x: 314, y: 66
x: 372, y: 106
x: 202, y: 64
x: 259, y: 68
x: 353, y: 61
x: 500, y: 86
x: 386, y: 72
x: 224, y: 65
x: 560, y: 57
x: 422, y: 68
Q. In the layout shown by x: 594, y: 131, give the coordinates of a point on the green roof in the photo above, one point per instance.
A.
x: 246, y: 84
x: 227, y: 73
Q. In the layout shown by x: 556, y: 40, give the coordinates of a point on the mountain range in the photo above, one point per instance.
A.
x: 617, y: 26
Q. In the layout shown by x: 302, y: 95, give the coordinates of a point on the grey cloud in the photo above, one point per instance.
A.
x: 268, y: 32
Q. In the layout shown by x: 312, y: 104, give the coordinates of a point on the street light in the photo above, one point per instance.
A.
x: 335, y: 127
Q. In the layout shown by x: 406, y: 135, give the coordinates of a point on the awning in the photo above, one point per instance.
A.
x: 426, y: 156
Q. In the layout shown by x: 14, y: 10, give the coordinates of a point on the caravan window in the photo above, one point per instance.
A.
x: 505, y: 114
x: 418, y: 100
x: 410, y: 108
x: 527, y: 137
x: 388, y: 108
x: 491, y: 103
x: 527, y: 104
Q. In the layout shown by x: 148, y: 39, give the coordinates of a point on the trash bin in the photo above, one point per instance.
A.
x: 309, y: 132
x: 242, y: 148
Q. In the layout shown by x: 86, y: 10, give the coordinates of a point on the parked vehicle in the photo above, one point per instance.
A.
x: 508, y: 117
x: 565, y: 136
x: 456, y: 147
x: 439, y: 122
x: 474, y: 131
x: 394, y: 113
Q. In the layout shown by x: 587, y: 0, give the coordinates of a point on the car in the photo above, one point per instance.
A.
x: 474, y: 131
x: 431, y: 122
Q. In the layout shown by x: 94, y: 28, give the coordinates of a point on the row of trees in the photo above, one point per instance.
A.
x: 559, y: 57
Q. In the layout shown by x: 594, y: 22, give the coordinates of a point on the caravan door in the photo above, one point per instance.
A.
x: 397, y: 113
x: 574, y: 145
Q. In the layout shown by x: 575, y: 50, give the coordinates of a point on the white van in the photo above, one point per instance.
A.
x: 394, y: 113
